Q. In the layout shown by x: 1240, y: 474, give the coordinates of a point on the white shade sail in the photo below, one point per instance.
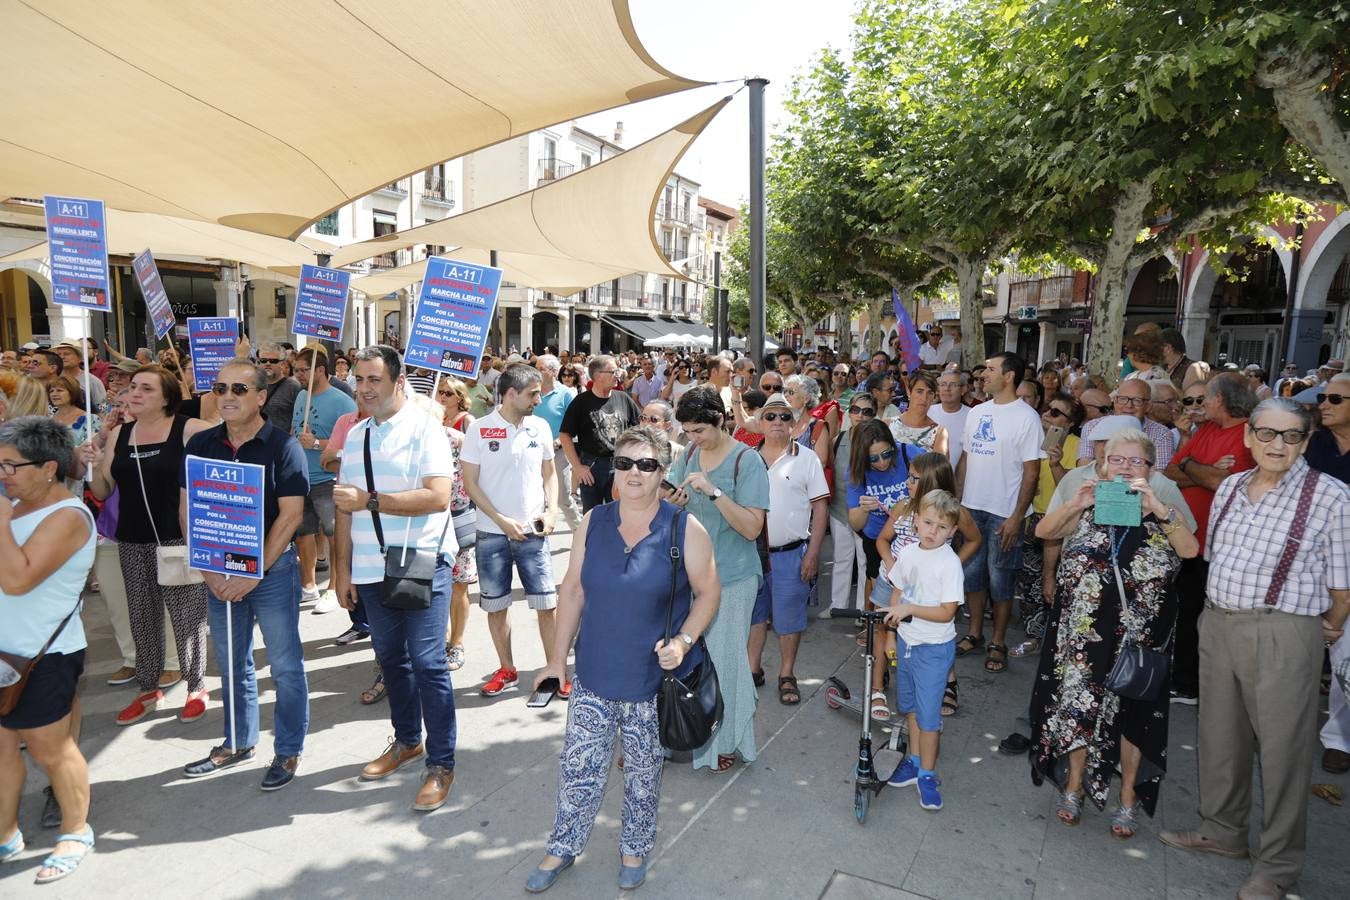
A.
x: 266, y: 116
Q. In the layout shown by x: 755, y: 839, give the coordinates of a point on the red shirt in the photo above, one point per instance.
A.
x: 748, y: 438
x: 1210, y: 444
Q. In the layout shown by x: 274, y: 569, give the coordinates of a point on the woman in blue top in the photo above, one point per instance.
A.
x: 614, y: 601
x: 47, y: 542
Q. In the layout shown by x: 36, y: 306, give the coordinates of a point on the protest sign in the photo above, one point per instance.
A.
x: 211, y: 341
x: 321, y: 303
x: 77, y: 246
x: 453, y: 315
x: 152, y: 289
x: 225, y: 516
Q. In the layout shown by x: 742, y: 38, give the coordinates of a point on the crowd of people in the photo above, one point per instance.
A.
x: 1181, y: 536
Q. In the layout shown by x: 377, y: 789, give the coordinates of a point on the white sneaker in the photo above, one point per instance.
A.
x: 309, y: 595
x: 327, y: 603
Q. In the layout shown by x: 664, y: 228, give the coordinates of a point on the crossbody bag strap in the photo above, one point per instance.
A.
x: 93, y: 525
x: 675, y: 557
x: 1295, y: 538
x: 370, y: 488
x: 140, y: 477
x: 1239, y: 484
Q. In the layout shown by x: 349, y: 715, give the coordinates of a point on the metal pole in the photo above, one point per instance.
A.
x: 1288, y: 336
x: 500, y: 315
x: 720, y: 339
x: 755, y: 343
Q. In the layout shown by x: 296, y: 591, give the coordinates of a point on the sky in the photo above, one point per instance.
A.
x: 718, y: 40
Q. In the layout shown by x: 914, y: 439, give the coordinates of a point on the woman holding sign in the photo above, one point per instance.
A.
x: 144, y: 464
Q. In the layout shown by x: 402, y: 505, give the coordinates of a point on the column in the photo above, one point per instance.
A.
x: 1046, y: 349
x: 1193, y: 327
x: 1010, y: 330
x: 595, y: 335
x: 527, y: 324
x: 564, y: 329
x: 1305, y: 337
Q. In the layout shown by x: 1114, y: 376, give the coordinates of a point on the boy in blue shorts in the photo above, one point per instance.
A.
x: 928, y: 587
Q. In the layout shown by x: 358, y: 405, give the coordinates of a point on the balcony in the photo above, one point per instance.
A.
x: 551, y: 169
x: 384, y: 261
x: 438, y: 190
x: 1047, y: 293
x: 396, y: 189
x: 679, y: 215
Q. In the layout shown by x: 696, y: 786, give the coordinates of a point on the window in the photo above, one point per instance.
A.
x: 550, y: 148
x: 328, y: 224
x: 585, y: 160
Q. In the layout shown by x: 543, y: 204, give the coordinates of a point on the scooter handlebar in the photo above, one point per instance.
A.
x: 875, y: 615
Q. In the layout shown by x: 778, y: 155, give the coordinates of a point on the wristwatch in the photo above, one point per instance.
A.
x: 373, y: 501
x: 717, y: 492
x: 688, y: 641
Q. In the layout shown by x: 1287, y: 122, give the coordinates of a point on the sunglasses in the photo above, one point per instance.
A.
x: 1192, y: 401
x: 652, y: 420
x: 445, y: 393
x: 1135, y: 461
x: 883, y: 456
x: 1292, y: 437
x: 771, y: 387
x: 268, y: 360
x: 1333, y: 399
x: 864, y: 411
x: 1101, y: 409
x: 777, y: 417
x: 1058, y: 413
x: 647, y: 464
x: 239, y: 390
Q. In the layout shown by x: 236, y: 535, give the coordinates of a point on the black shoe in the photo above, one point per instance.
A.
x: 280, y: 773
x: 51, y: 810
x: 1014, y: 744
x: 219, y: 758
x: 351, y: 636
x: 320, y: 565
x: 1185, y: 697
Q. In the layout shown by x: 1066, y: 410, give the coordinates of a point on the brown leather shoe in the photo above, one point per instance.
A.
x: 1260, y: 888
x: 1337, y: 762
x: 435, y: 788
x: 1197, y: 842
x: 168, y: 678
x: 393, y: 757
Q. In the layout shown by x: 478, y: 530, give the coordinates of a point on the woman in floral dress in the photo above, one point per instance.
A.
x: 1081, y: 732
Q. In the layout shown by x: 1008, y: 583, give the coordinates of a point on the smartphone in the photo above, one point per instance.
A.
x: 1116, y: 504
x: 738, y: 382
x: 1054, y: 437
x: 666, y: 485
x: 538, y: 525
x: 548, y: 689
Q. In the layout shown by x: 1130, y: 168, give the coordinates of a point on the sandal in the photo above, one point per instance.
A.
x: 1029, y: 647
x: 950, y: 702
x: 758, y: 678
x: 969, y: 644
x: 66, y: 863
x: 725, y: 762
x: 1070, y: 808
x: 12, y: 848
x: 788, y: 695
x: 880, y: 711
x: 1126, y: 821
x: 994, y: 663
x: 375, y: 693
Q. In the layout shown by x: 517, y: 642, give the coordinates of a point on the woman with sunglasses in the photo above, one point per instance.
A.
x: 914, y: 425
x: 453, y: 396
x: 811, y: 431
x: 847, y: 547
x: 1114, y: 590
x: 143, y: 466
x: 660, y: 416
x: 678, y: 384
x: 725, y: 485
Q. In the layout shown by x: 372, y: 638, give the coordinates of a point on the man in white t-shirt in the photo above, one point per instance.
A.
x: 799, y: 497
x: 934, y: 351
x: 1000, y: 465
x: 508, y: 472
x: 951, y: 414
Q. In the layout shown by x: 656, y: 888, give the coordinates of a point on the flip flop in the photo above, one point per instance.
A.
x: 375, y: 693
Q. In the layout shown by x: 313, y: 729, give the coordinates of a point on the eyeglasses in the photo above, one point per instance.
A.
x: 1292, y: 437
x: 646, y: 464
x: 777, y: 417
x: 1333, y: 399
x: 1134, y: 461
x: 268, y: 360
x: 652, y: 420
x: 445, y: 393
x: 1192, y: 401
x: 568, y: 375
x: 9, y: 469
x: 883, y: 456
x: 606, y: 371
x: 220, y: 387
x: 1058, y: 413
x: 792, y: 392
x: 771, y: 387
x: 865, y: 411
x: 1132, y: 401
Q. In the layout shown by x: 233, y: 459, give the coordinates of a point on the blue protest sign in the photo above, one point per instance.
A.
x: 152, y: 289
x: 454, y: 312
x: 211, y: 341
x: 321, y: 303
x: 77, y: 244
x: 225, y: 516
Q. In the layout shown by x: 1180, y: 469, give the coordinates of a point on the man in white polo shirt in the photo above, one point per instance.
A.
x: 508, y: 472
x: 799, y: 497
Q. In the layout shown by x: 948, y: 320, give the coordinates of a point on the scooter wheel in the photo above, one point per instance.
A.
x: 832, y: 697
x: 862, y: 797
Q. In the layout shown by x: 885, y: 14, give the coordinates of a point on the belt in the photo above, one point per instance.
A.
x: 793, y: 545
x: 1228, y: 611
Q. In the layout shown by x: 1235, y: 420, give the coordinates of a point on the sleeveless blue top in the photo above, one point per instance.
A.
x: 627, y: 596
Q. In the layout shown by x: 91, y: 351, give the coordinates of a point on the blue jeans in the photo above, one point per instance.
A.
x: 410, y: 647
x: 991, y: 568
x: 497, y: 555
x: 275, y: 605
x: 602, y: 469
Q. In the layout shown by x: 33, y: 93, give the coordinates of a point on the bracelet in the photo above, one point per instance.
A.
x: 1168, y: 531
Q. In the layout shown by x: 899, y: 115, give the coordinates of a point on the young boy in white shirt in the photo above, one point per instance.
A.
x: 929, y: 586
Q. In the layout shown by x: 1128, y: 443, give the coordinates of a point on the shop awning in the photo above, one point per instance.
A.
x: 642, y: 328
x: 266, y: 116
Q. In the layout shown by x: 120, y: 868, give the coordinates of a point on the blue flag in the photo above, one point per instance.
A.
x: 904, y: 329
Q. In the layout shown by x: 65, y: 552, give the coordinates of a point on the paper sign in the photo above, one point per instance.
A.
x: 225, y: 516
x: 321, y: 303
x: 454, y: 313
x: 152, y: 289
x: 78, y: 248
x: 211, y: 341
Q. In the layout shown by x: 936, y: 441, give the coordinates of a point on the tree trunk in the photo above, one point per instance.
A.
x: 969, y: 278
x: 844, y: 322
x: 1306, y: 109
x: 1108, y: 310
x: 872, y: 342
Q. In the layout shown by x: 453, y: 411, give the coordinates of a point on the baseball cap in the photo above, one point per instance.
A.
x: 31, y: 345
x: 130, y: 366
x: 1109, y: 426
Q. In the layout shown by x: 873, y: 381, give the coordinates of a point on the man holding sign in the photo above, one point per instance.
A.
x: 244, y: 436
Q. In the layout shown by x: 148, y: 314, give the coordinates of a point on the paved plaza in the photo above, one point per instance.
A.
x: 781, y: 828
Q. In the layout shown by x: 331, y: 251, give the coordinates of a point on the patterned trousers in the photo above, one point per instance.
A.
x: 1028, y: 591
x: 587, y: 754
x: 146, y: 601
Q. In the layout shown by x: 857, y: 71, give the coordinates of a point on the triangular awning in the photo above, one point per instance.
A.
x: 265, y: 116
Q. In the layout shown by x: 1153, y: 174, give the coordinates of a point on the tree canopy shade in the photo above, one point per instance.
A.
x: 253, y: 114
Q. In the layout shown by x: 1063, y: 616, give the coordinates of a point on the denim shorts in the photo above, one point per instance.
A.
x: 496, y: 554
x: 921, y: 678
x: 320, y: 513
x: 990, y: 568
x: 782, y: 594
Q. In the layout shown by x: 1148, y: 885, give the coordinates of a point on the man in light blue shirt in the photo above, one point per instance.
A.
x: 553, y: 403
x: 647, y: 386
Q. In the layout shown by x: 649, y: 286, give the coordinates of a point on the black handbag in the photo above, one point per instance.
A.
x: 688, y: 709
x: 408, y: 571
x: 1140, y: 672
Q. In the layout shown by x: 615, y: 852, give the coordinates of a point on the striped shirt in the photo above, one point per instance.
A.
x: 1163, y: 443
x: 1244, y: 548
x: 407, y: 449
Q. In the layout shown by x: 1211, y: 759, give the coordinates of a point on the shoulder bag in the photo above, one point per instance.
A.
x: 1140, y: 672
x: 688, y: 709
x: 171, y: 563
x: 408, y: 571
